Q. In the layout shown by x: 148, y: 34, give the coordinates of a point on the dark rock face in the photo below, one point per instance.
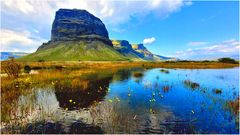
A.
x: 74, y: 24
x: 126, y: 44
x: 141, y: 47
x: 125, y: 48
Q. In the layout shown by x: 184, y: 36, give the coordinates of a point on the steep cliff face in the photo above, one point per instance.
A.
x: 73, y: 24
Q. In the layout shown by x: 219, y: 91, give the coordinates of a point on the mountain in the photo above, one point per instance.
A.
x: 7, y: 55
x: 76, y: 35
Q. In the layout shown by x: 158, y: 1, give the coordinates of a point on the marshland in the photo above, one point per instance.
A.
x: 110, y: 97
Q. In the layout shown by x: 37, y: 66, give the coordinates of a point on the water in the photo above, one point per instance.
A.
x: 181, y: 101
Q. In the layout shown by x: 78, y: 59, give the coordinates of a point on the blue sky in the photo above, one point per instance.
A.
x: 183, y: 29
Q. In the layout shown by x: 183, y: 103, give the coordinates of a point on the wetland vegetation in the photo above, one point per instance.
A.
x: 102, y: 97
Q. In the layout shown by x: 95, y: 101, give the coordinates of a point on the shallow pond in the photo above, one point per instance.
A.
x: 132, y: 101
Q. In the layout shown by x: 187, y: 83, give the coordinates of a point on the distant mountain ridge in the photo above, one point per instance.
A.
x: 137, y: 51
x: 7, y: 55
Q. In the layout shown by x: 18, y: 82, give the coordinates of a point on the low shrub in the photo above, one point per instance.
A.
x: 12, y: 68
x: 227, y: 60
x: 27, y: 69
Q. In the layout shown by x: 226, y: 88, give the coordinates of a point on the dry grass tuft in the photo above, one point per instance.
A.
x: 12, y: 68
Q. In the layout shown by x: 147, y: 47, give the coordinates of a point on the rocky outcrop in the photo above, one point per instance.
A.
x: 125, y: 48
x: 74, y: 24
x: 140, y: 48
x: 122, y: 46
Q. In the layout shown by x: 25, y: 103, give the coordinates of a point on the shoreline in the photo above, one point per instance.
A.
x: 126, y: 64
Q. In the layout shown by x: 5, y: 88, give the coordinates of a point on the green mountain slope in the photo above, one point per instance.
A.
x: 75, y: 51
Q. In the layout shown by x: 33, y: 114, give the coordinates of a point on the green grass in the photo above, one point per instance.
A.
x: 75, y: 51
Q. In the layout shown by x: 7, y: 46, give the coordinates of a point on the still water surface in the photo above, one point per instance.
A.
x: 156, y: 101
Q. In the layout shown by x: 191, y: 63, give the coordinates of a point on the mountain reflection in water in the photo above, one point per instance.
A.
x: 86, y: 93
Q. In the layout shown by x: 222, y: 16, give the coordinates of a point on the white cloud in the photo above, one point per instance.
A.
x: 38, y: 11
x: 147, y: 41
x: 23, y: 6
x: 197, y: 43
x: 112, y: 12
x: 118, y: 12
x: 9, y: 37
x: 225, y: 48
x: 19, y: 41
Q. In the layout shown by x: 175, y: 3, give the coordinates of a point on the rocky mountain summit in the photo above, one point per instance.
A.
x: 73, y: 24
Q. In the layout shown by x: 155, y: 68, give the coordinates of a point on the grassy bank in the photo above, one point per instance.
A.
x: 123, y: 64
x: 75, y: 51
